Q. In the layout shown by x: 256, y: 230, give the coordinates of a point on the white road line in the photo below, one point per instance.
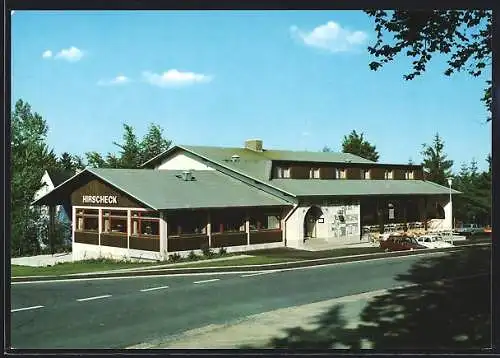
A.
x: 92, y: 298
x: 204, y: 281
x: 258, y: 273
x: 153, y: 288
x: 25, y: 308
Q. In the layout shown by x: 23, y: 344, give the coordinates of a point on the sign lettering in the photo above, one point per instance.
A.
x: 99, y: 199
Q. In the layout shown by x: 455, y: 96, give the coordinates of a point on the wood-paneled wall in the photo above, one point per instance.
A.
x: 300, y: 171
x: 97, y: 187
x: 377, y: 173
x: 353, y: 173
x: 264, y: 237
x: 327, y: 173
x: 229, y: 239
x: 399, y: 174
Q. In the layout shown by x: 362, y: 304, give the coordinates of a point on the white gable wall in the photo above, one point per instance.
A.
x: 182, y: 162
x: 47, y: 186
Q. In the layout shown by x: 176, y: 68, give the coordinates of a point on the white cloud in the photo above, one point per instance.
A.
x: 172, y: 78
x: 331, y: 37
x: 71, y: 54
x: 12, y: 12
x: 118, y: 80
x: 47, y: 54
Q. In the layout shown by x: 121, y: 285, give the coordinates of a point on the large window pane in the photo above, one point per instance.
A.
x: 186, y: 223
x: 263, y: 221
x: 229, y: 221
x: 87, y: 220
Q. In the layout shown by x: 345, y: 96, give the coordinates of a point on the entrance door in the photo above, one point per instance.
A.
x: 310, y: 227
x: 310, y: 220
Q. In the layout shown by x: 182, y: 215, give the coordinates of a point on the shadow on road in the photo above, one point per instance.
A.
x: 447, y: 314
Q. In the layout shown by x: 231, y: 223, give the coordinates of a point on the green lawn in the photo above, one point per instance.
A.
x: 259, y: 257
x: 76, y: 267
x: 283, y: 254
x: 294, y: 254
x: 256, y: 260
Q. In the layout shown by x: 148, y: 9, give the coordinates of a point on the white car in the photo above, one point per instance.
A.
x: 432, y: 242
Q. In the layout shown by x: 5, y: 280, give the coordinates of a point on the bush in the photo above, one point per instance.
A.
x: 192, y: 256
x: 207, y: 251
x: 222, y: 251
x: 174, y: 257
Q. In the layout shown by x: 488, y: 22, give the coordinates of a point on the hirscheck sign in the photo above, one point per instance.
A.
x: 99, y: 199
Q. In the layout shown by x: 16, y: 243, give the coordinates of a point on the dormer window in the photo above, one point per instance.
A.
x: 314, y: 173
x: 365, y: 173
x: 388, y: 174
x: 282, y: 172
x: 340, y: 173
x: 409, y: 174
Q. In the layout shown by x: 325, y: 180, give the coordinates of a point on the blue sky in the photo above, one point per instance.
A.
x: 299, y: 80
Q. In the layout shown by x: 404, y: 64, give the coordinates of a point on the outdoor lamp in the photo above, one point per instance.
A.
x: 451, y: 210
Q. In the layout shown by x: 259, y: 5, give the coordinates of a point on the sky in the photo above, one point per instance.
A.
x: 298, y: 80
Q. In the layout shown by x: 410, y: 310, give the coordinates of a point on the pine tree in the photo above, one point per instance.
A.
x: 355, y: 143
x: 435, y: 161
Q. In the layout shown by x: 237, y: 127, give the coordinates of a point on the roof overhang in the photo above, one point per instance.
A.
x: 62, y: 192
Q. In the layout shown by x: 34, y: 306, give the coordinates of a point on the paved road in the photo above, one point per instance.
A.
x: 119, y: 313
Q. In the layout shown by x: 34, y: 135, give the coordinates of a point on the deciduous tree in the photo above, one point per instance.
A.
x: 30, y: 158
x: 464, y: 37
x: 133, y: 152
x: 153, y: 143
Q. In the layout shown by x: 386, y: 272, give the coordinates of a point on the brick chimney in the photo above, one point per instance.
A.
x: 254, y: 144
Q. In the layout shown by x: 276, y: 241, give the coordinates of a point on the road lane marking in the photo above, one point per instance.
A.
x: 25, y: 308
x: 204, y: 281
x: 258, y: 273
x: 131, y: 277
x: 153, y: 288
x: 92, y: 298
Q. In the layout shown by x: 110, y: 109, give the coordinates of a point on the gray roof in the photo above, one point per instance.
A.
x: 258, y: 164
x: 221, y: 153
x: 163, y: 189
x: 312, y: 187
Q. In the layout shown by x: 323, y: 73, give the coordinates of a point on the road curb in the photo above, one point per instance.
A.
x: 246, y: 268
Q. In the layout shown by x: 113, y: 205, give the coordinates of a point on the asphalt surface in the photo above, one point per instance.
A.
x: 119, y: 313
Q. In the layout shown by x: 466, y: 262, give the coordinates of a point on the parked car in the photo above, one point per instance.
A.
x: 400, y: 243
x: 469, y: 230
x: 432, y: 242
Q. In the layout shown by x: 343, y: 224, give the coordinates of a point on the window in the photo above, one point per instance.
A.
x: 282, y: 172
x: 145, y: 223
x: 114, y: 221
x: 87, y: 220
x: 262, y: 221
x: 388, y: 174
x: 365, y: 173
x: 229, y: 221
x: 340, y: 173
x: 409, y: 174
x: 187, y: 223
x: 314, y: 173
